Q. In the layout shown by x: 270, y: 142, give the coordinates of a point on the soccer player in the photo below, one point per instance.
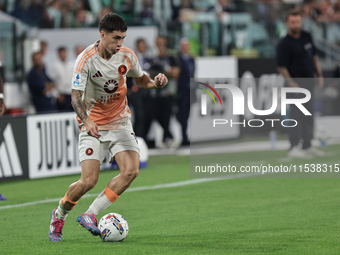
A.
x: 99, y: 99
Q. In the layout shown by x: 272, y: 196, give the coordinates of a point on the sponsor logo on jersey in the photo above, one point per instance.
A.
x: 111, y: 86
x: 89, y: 151
x: 9, y: 156
x: 122, y: 69
x: 98, y: 74
x: 76, y: 79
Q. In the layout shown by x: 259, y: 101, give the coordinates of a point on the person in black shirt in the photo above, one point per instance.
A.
x: 161, y: 104
x: 296, y: 59
x: 187, y: 70
x: 41, y: 86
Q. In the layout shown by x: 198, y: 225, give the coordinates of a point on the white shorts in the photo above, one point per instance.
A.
x: 113, y: 141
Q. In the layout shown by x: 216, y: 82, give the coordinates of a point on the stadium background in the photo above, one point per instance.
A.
x: 231, y: 215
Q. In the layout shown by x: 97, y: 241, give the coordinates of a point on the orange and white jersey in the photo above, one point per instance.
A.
x: 104, y: 85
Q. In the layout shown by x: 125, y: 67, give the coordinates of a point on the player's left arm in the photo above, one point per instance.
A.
x: 142, y: 79
x: 146, y: 82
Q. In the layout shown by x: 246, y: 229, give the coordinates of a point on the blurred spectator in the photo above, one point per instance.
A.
x: 223, y: 6
x: 3, y: 5
x: 125, y: 8
x: 178, y: 6
x: 104, y: 10
x: 147, y: 12
x: 139, y: 98
x: 320, y: 11
x: 62, y: 76
x: 325, y: 11
x: 54, y: 12
x: 267, y: 14
x: 68, y: 13
x: 43, y: 47
x: 43, y: 51
x: 186, y: 11
x: 78, y: 49
x: 187, y: 70
x: 40, y: 85
x: 83, y: 17
x: 336, y: 15
x: 38, y: 14
x: 142, y: 53
x: 21, y: 12
x: 80, y: 20
x: 162, y: 103
x: 227, y: 6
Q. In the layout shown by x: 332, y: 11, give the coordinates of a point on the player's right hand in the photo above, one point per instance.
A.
x: 92, y: 128
x: 160, y: 81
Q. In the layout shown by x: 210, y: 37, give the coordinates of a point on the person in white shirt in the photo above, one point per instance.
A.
x: 61, y: 74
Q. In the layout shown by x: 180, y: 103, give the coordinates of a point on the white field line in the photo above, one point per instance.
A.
x: 154, y: 187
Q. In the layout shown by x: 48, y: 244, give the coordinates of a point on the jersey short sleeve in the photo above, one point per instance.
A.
x: 136, y: 70
x: 80, y: 74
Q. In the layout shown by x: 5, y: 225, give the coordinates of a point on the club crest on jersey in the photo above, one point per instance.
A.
x: 76, y: 79
x: 122, y: 69
x: 111, y: 86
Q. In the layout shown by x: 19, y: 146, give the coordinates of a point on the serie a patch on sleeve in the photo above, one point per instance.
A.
x: 76, y: 80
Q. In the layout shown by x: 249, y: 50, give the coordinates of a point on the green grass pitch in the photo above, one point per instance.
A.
x: 235, y: 216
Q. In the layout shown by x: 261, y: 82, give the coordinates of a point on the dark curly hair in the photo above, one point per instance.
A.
x: 112, y: 22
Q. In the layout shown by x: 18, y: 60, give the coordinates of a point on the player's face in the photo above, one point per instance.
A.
x: 294, y: 24
x: 113, y: 41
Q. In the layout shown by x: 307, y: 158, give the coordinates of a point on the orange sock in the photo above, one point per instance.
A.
x: 66, y: 199
x: 110, y: 194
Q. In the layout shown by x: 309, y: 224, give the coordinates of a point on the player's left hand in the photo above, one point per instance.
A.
x: 160, y: 81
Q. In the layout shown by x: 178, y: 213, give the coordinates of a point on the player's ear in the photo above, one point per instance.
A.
x: 102, y: 33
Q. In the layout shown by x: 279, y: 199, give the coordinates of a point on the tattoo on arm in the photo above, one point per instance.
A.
x: 78, y: 104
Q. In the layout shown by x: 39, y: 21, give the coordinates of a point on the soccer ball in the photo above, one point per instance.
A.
x: 113, y: 227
